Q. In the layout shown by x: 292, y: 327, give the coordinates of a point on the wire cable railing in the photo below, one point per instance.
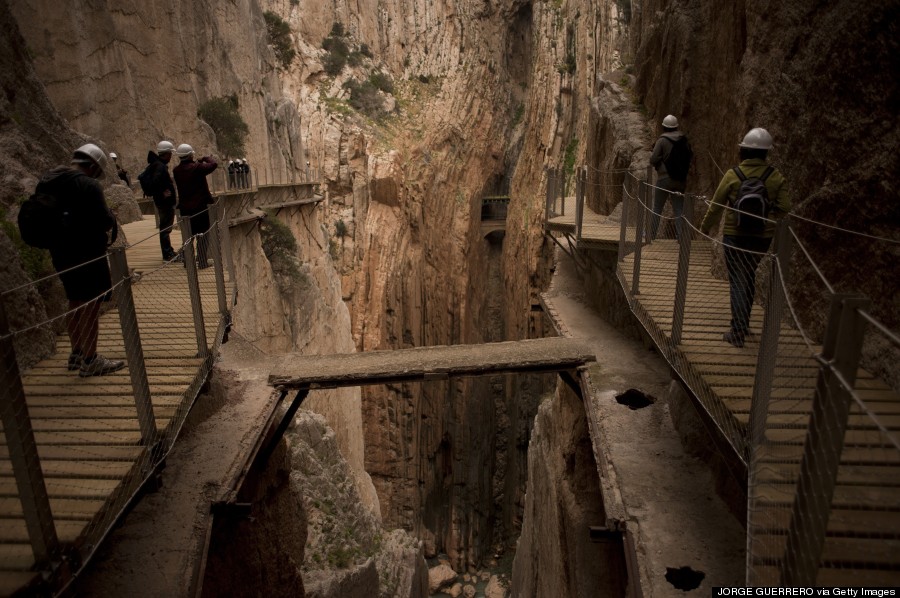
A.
x: 80, y: 446
x: 796, y: 393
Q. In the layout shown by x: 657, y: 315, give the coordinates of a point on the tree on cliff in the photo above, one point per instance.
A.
x: 222, y: 115
x: 279, y: 33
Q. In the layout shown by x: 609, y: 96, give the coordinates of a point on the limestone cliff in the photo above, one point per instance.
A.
x: 134, y: 72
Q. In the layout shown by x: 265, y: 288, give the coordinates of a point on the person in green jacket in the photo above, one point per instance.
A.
x: 745, y: 249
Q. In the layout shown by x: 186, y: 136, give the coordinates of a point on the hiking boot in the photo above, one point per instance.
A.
x: 99, y: 366
x: 75, y: 360
x: 734, y: 338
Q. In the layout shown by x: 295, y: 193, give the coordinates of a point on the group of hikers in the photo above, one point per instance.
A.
x: 754, y: 191
x: 68, y: 215
x: 755, y: 195
x: 238, y: 174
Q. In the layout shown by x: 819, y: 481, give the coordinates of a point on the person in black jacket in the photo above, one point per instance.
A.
x: 123, y: 174
x: 163, y: 194
x: 79, y: 254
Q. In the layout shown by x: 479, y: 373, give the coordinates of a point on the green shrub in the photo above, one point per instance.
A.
x: 280, y: 247
x: 365, y: 51
x: 336, y: 58
x: 382, y: 81
x: 340, y: 228
x: 222, y: 115
x: 364, y: 98
x: 279, y: 34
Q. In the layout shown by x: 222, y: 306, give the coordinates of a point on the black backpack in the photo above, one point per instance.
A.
x: 752, y: 202
x: 146, y: 181
x: 42, y: 220
x: 679, y: 161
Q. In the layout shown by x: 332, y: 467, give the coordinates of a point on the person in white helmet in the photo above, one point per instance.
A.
x: 161, y: 188
x: 194, y: 196
x: 747, y: 236
x: 123, y: 174
x: 79, y: 253
x: 671, y: 158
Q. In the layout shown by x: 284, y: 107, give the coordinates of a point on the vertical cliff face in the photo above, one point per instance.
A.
x: 133, y: 72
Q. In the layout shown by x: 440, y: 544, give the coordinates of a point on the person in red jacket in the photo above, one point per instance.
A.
x: 194, y: 196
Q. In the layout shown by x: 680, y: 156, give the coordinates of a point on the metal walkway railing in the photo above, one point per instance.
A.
x: 78, y: 450
x: 818, y: 433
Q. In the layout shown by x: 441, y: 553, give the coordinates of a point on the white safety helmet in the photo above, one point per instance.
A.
x: 757, y: 139
x: 113, y: 155
x: 184, y: 150
x: 670, y: 122
x: 165, y: 147
x: 90, y: 154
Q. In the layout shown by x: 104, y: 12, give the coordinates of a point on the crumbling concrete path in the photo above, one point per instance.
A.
x: 669, y: 499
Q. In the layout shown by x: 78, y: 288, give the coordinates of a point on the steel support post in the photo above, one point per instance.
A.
x: 824, y: 442
x: 193, y: 283
x: 134, y: 352
x: 626, y: 200
x: 579, y: 203
x: 23, y: 456
x: 779, y: 267
x: 684, y: 260
x: 548, y: 197
x: 215, y: 213
x: 640, y: 217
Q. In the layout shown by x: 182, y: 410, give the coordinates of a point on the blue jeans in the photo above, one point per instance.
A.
x: 660, y: 195
x: 742, y: 266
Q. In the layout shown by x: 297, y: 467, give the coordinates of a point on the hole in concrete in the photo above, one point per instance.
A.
x: 634, y: 399
x: 684, y: 578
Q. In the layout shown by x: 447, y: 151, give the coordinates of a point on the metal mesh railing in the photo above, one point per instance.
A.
x: 81, y: 437
x: 817, y: 432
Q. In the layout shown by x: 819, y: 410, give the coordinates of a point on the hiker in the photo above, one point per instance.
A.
x: 757, y: 196
x: 194, y: 195
x: 157, y: 183
x: 245, y: 169
x: 671, y: 158
x: 79, y: 254
x: 123, y: 174
x: 232, y: 174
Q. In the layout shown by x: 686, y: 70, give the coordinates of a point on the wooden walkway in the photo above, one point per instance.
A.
x: 86, y: 429
x: 863, y: 539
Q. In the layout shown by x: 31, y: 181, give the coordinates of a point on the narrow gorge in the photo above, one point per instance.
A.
x: 407, y: 114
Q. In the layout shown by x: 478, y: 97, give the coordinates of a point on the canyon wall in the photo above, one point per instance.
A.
x: 134, y: 72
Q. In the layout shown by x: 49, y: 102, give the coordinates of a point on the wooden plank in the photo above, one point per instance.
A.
x: 792, y: 453
x: 16, y: 556
x: 76, y: 469
x: 85, y: 452
x: 871, y: 475
x: 352, y: 369
x: 830, y: 576
x: 63, y: 508
x: 837, y: 550
x: 845, y: 497
x: 13, y: 531
x: 81, y: 488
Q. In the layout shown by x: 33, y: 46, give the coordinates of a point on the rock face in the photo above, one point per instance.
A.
x: 555, y: 555
x: 134, y: 72
x: 347, y: 553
